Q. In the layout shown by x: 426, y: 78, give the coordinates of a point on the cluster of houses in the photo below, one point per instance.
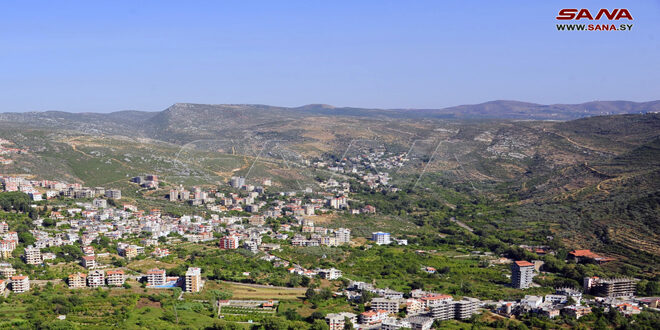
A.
x: 40, y: 189
x: 568, y: 301
x: 612, y: 293
x: 422, y: 309
x: 5, y: 151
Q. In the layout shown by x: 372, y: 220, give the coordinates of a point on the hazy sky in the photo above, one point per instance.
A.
x: 115, y: 55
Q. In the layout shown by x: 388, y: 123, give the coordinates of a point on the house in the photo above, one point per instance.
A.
x: 77, y: 280
x: 587, y: 255
x: 156, y: 277
x: 115, y: 277
x: 20, y: 284
x: 576, y: 311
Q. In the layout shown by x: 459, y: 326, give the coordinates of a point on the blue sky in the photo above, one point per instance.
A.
x: 146, y: 55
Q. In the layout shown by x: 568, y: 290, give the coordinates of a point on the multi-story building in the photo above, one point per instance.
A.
x: 129, y: 252
x: 420, y: 322
x: 392, y: 323
x: 389, y: 305
x: 193, y: 280
x: 237, y: 181
x: 381, y: 238
x: 100, y: 203
x: 6, y: 248
x: 115, y: 277
x: 229, y: 242
x: 433, y: 299
x: 330, y: 274
x: 338, y: 321
x: 7, y: 270
x: 96, y: 278
x: 4, y: 227
x: 373, y: 316
x: 612, y: 288
x: 77, y: 280
x: 89, y: 262
x: 113, y: 193
x: 156, y: 277
x: 343, y: 235
x: 522, y: 273
x: 32, y: 255
x: 465, y: 308
x: 444, y: 310
x: 455, y: 309
x: 20, y: 283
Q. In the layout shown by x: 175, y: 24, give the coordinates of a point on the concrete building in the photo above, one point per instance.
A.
x: 389, y: 305
x: 156, y: 277
x: 381, y: 238
x: 229, y: 242
x: 77, y: 280
x: 96, y: 278
x: 100, y: 203
x: 113, y: 193
x: 611, y: 288
x: 373, y: 316
x: 89, y: 262
x: 420, y: 322
x: 338, y: 321
x: 193, y: 280
x: 576, y: 311
x: 115, y: 277
x: 455, y: 309
x: 330, y: 274
x: 32, y: 255
x: 522, y: 273
x: 392, y: 323
x: 20, y: 284
x: 237, y: 181
x: 343, y: 235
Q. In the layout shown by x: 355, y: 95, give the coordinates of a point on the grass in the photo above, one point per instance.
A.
x: 241, y: 291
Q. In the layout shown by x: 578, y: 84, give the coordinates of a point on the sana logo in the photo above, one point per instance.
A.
x: 578, y: 14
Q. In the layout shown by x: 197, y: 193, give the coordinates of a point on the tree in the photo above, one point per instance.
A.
x: 319, y: 325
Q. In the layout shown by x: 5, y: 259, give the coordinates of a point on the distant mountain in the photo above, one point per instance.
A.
x: 533, y: 111
x: 186, y: 121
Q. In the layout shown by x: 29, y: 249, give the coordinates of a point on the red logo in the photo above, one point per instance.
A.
x: 578, y: 14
